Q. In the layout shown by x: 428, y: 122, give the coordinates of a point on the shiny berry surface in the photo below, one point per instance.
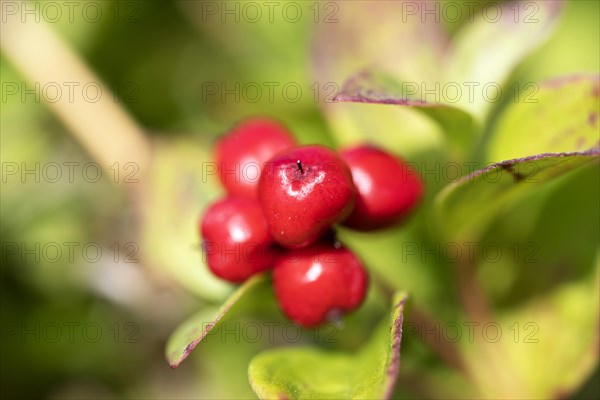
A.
x: 236, y: 242
x: 388, y: 190
x: 303, y: 192
x: 312, y: 283
x: 241, y: 153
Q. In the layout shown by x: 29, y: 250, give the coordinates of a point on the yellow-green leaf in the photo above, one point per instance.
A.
x: 185, y: 338
x: 463, y: 209
x: 555, y: 116
x: 310, y: 373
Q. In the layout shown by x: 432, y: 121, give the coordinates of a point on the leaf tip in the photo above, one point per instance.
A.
x: 173, y: 362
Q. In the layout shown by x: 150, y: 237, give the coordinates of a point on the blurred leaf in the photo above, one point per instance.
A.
x: 187, y: 335
x: 551, y: 344
x: 379, y: 88
x: 559, y: 115
x: 311, y: 373
x: 464, y: 208
x: 178, y: 186
x: 486, y: 50
x: 401, y: 130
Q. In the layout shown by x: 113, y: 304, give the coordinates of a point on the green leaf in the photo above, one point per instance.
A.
x: 309, y: 373
x: 380, y: 88
x: 557, y: 116
x: 464, y: 208
x: 187, y: 335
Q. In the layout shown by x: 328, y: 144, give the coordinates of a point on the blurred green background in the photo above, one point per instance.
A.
x: 80, y: 325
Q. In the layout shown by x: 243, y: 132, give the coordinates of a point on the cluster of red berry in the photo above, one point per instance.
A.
x: 283, y: 200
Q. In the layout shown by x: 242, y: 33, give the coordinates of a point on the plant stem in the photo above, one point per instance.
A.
x: 98, y: 122
x: 443, y: 348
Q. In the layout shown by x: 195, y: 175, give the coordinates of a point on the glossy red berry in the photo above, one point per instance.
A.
x: 387, y: 189
x: 241, y: 153
x: 236, y: 241
x: 303, y: 191
x: 318, y: 281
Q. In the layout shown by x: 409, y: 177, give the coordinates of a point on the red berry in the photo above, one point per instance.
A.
x: 313, y: 282
x: 303, y: 192
x: 241, y: 153
x: 236, y: 241
x: 387, y: 189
